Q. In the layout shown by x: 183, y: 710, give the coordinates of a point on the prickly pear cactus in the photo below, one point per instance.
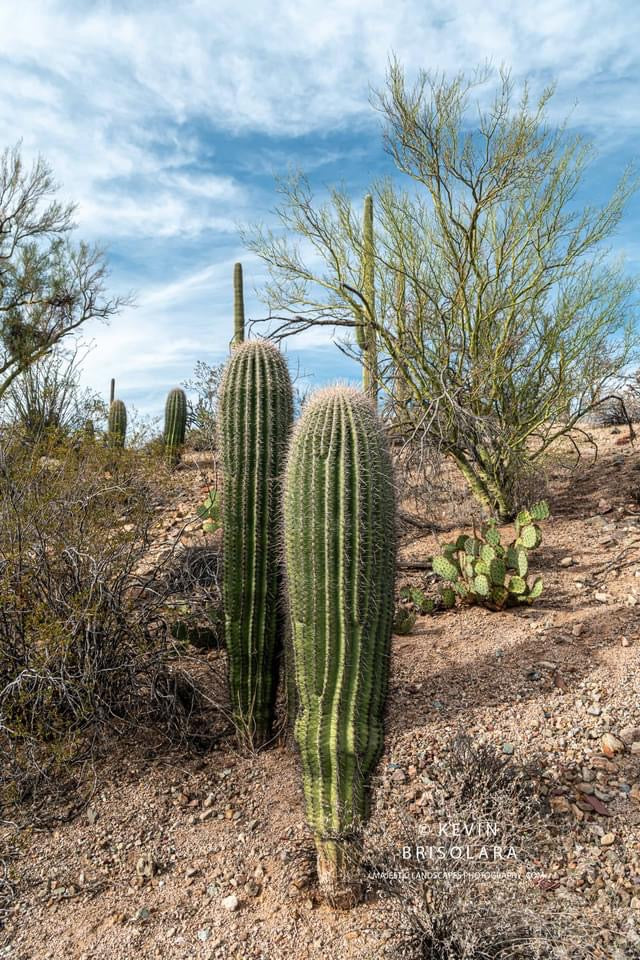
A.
x: 175, y: 425
x: 255, y: 415
x: 481, y: 570
x: 339, y: 550
x: 117, y: 424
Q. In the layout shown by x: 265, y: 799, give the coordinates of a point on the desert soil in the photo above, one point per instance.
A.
x: 184, y: 856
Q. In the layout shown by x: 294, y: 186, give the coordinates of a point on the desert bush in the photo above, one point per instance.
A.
x: 447, y: 906
x: 46, y: 399
x: 83, y: 639
x: 204, y: 386
x: 623, y: 406
x: 480, y: 303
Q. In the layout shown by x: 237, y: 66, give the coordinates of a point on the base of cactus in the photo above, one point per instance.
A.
x: 338, y: 873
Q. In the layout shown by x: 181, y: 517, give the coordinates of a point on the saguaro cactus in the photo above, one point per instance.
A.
x: 175, y: 425
x: 117, y: 423
x: 238, y: 305
x: 365, y: 332
x: 255, y: 415
x: 112, y: 390
x: 339, y: 550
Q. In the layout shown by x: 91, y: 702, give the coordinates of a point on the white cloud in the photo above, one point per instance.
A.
x: 137, y: 106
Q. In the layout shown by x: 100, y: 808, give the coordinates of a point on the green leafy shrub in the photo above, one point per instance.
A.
x: 480, y: 569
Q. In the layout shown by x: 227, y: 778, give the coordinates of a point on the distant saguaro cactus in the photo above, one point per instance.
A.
x: 238, y: 305
x: 117, y: 424
x: 175, y: 425
x: 112, y: 390
x: 365, y: 332
x: 339, y: 550
x: 254, y: 420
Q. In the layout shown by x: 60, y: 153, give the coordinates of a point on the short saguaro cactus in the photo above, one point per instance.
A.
x: 117, y: 424
x: 339, y: 550
x: 175, y: 425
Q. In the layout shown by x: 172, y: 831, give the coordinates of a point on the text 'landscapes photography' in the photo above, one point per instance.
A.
x: 319, y: 480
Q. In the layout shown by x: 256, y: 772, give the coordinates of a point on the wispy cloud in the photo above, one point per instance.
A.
x: 165, y: 122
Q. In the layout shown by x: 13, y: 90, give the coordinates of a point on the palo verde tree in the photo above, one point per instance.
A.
x: 49, y: 286
x: 500, y: 317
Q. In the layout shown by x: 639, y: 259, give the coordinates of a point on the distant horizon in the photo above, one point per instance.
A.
x: 166, y: 128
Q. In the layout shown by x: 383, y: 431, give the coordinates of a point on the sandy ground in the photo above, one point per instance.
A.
x: 149, y: 867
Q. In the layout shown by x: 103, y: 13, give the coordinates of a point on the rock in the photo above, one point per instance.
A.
x: 635, y: 747
x: 611, y: 745
x: 577, y: 629
x: 604, y: 506
x: 204, y: 935
x: 92, y: 816
x: 607, y: 839
x: 566, y: 562
x: 231, y: 903
x: 560, y: 805
x: 629, y: 734
x: 398, y: 776
x: 507, y: 748
x: 601, y: 597
x: 594, y: 711
x: 585, y: 787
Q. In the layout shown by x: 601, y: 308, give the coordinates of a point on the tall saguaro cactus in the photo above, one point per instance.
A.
x: 117, y: 423
x: 238, y: 305
x: 339, y: 550
x: 365, y: 332
x: 112, y: 390
x: 255, y: 415
x: 175, y: 425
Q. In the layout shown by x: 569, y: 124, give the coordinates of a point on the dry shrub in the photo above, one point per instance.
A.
x: 447, y: 905
x: 84, y: 646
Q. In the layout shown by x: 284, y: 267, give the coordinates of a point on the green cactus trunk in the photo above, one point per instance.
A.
x: 365, y: 332
x: 175, y: 425
x: 339, y: 551
x: 112, y: 391
x: 255, y: 415
x: 117, y: 424
x: 238, y: 305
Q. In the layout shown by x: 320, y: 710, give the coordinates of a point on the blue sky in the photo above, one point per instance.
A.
x: 166, y: 121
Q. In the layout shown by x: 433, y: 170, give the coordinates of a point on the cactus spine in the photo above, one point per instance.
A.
x: 255, y: 415
x: 339, y: 551
x: 175, y: 425
x: 365, y: 332
x: 117, y: 423
x: 238, y: 305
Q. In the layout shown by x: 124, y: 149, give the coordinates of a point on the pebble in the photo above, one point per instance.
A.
x: 611, y: 745
x: 507, y: 748
x: 607, y: 839
x: 231, y: 903
x: 566, y: 562
x: 602, y: 597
